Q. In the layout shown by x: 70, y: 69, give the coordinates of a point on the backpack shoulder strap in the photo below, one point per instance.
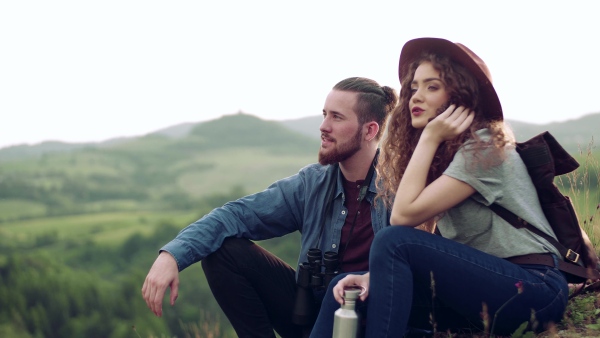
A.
x: 519, y: 223
x: 573, y: 264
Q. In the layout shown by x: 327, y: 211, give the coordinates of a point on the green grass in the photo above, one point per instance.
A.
x: 15, y: 208
x: 585, y: 192
x: 239, y: 167
x: 104, y: 228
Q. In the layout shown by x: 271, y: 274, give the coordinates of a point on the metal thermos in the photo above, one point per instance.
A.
x: 346, y: 320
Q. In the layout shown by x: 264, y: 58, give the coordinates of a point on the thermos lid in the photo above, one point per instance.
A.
x: 353, y: 292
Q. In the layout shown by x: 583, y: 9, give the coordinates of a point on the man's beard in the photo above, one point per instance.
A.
x: 342, y: 152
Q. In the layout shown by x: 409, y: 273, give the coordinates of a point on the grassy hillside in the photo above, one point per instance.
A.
x: 79, y: 229
x: 239, y: 152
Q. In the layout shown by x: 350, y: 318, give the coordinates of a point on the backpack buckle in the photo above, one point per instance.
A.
x: 572, y: 256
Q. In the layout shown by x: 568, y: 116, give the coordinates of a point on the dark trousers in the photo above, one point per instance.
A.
x: 255, y: 289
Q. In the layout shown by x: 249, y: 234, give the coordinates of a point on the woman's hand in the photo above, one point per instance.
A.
x: 449, y: 124
x: 349, y: 281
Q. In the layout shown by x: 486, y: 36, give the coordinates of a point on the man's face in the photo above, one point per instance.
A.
x: 341, y: 134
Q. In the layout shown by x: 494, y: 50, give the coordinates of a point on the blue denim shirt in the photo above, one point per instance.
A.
x: 295, y: 203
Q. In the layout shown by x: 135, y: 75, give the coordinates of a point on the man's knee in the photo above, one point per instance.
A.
x: 232, y: 249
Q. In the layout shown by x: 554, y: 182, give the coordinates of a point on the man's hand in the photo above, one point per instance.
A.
x: 164, y: 273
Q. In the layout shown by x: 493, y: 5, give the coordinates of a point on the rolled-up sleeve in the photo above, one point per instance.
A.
x: 273, y: 212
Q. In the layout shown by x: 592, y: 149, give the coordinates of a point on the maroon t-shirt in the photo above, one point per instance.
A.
x: 356, y: 256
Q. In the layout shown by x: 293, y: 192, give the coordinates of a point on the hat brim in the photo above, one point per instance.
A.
x: 462, y: 55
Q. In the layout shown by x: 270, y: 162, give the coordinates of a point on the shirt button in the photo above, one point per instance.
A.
x: 333, y: 246
x: 343, y: 212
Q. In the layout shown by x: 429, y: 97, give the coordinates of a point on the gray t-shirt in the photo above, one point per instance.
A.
x: 508, y: 184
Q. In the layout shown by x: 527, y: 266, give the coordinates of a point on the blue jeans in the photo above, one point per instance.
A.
x: 418, y: 279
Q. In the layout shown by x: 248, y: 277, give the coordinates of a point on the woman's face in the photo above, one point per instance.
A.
x: 429, y: 96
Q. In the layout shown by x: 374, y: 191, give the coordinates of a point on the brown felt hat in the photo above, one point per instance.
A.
x: 462, y: 55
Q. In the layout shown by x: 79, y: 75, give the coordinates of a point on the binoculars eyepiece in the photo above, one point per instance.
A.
x: 314, y: 274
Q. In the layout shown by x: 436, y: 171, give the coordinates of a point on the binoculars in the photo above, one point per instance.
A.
x: 314, y: 274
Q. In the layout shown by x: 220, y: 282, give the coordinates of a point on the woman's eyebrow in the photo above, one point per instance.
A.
x: 429, y: 79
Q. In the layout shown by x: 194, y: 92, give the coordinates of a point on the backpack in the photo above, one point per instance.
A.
x: 545, y: 158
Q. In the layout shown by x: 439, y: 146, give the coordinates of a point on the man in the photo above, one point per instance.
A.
x: 255, y: 289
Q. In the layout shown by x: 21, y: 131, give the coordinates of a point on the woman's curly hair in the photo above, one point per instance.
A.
x: 401, y: 138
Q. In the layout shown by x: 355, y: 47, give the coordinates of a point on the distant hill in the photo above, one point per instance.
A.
x: 574, y: 134
x: 248, y: 130
x: 29, y: 151
x: 237, y: 153
x: 177, y: 131
x: 24, y: 151
x: 306, y: 125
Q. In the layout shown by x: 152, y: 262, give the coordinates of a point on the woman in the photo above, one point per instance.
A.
x: 447, y: 157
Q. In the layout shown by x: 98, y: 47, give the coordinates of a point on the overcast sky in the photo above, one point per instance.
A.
x: 92, y: 70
